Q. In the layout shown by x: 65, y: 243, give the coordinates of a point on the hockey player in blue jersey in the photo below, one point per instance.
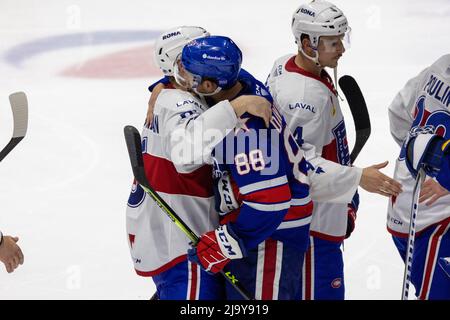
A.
x: 262, y: 182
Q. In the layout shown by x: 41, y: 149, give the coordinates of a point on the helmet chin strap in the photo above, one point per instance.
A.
x: 314, y: 59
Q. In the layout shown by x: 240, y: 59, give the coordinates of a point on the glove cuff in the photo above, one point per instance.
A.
x: 229, y: 243
x: 421, y: 153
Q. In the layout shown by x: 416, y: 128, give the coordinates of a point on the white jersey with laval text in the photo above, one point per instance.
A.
x: 312, y: 111
x: 174, y: 156
x: 419, y: 104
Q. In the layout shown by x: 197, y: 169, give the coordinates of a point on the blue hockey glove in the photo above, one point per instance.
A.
x: 424, y: 151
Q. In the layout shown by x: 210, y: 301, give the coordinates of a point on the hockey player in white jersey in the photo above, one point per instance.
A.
x: 422, y: 107
x: 308, y: 99
x: 183, y: 180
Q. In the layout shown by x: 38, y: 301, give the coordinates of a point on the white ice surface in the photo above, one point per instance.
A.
x: 64, y: 189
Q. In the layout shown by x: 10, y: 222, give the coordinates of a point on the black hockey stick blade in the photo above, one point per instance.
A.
x: 19, y: 107
x: 134, y: 145
x: 359, y: 111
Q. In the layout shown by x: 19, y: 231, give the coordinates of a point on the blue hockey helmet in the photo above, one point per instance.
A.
x: 213, y: 58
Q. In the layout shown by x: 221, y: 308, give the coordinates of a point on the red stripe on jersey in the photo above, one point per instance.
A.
x: 433, y: 250
x: 324, y: 76
x: 267, y: 196
x: 193, y: 279
x: 163, y: 268
x: 299, y: 212
x: 327, y: 237
x: 163, y: 177
x: 270, y: 264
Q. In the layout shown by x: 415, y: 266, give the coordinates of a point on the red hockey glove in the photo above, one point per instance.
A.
x: 216, y: 248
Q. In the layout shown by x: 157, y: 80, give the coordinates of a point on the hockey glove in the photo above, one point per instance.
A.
x: 352, y: 208
x: 424, y: 151
x: 216, y: 248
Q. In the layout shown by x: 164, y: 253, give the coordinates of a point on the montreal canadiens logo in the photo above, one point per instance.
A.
x: 137, y: 195
x: 336, y: 283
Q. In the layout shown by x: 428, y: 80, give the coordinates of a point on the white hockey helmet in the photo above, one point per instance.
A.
x: 316, y: 19
x: 170, y: 44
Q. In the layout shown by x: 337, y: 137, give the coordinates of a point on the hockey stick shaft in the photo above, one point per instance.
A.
x: 359, y: 111
x: 133, y: 141
x: 19, y: 107
x: 412, y: 234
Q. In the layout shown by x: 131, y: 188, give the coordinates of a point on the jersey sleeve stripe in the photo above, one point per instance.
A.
x: 261, y: 185
x: 268, y: 196
x: 300, y: 202
x: 299, y: 212
x: 295, y: 223
x: 197, y: 183
x: 268, y: 207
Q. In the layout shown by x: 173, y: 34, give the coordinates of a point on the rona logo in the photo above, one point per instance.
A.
x: 170, y: 35
x: 308, y: 12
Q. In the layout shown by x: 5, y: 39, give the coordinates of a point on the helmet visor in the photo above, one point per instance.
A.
x: 334, y: 44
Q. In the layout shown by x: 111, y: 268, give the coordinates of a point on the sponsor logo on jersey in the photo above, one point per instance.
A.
x: 308, y: 12
x: 336, y: 283
x: 208, y: 57
x: 170, y: 35
x: 301, y: 105
x: 187, y: 102
x: 395, y: 221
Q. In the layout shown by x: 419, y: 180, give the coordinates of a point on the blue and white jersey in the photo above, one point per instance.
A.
x: 262, y: 180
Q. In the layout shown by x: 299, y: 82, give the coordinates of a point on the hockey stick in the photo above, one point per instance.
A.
x: 359, y: 111
x: 19, y: 107
x: 412, y: 233
x: 133, y: 140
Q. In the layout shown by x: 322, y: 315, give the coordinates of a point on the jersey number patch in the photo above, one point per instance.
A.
x: 255, y: 160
